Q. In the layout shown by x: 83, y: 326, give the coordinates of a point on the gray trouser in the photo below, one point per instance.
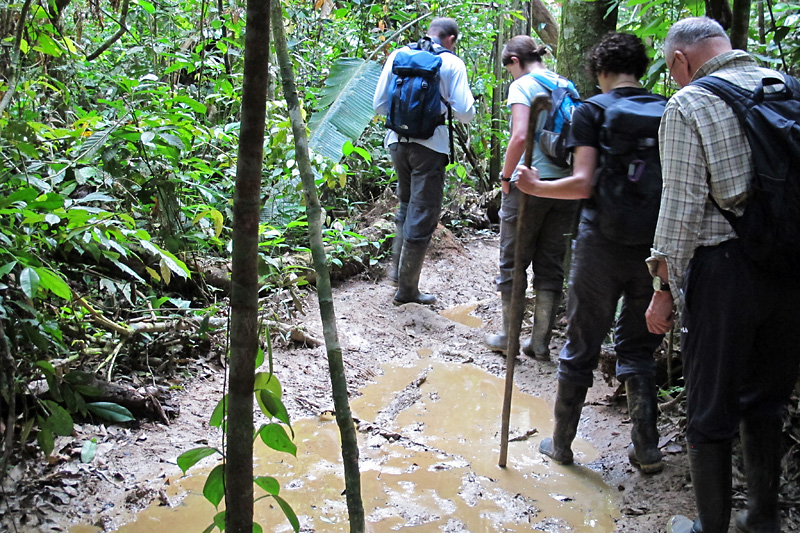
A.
x: 420, y: 188
x: 547, y: 225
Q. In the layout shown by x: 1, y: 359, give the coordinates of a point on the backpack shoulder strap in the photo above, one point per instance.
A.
x: 603, y: 100
x: 544, y: 82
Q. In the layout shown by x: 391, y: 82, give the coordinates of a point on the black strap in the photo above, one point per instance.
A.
x: 450, y: 131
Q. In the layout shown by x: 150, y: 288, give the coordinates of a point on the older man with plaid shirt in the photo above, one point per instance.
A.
x: 740, y: 327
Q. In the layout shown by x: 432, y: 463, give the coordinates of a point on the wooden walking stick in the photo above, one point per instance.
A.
x: 540, y: 103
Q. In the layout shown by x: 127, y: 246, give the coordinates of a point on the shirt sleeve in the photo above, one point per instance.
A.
x: 380, y: 101
x: 684, y: 194
x: 585, y: 130
x: 460, y: 96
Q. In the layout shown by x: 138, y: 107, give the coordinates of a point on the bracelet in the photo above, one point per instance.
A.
x: 506, y: 180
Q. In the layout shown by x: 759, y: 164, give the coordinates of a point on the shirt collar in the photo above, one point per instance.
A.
x: 725, y: 60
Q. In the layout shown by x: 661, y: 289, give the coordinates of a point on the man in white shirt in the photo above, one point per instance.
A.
x: 420, y: 164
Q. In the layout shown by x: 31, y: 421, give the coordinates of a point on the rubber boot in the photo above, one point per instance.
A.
x: 411, y: 259
x: 710, y: 466
x: 544, y: 318
x: 761, y: 444
x: 643, y: 452
x: 397, y: 249
x: 569, y: 403
x: 499, y: 342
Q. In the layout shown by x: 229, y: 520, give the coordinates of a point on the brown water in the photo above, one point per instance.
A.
x: 428, y: 463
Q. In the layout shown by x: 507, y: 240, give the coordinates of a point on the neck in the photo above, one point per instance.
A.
x: 609, y: 82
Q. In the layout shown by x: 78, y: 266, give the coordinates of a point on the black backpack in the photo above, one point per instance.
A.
x: 627, y: 191
x: 769, y: 228
x: 414, y: 95
x: 553, y: 137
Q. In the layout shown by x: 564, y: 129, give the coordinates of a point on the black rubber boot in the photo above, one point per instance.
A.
x: 710, y: 466
x: 761, y: 444
x: 544, y: 318
x: 499, y: 342
x: 569, y: 403
x: 397, y: 249
x: 643, y: 453
x: 411, y: 259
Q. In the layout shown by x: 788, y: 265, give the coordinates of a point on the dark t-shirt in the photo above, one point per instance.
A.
x: 588, y: 120
x: 585, y: 131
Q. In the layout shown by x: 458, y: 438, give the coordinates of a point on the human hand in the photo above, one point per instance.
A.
x: 660, y: 314
x: 527, y: 179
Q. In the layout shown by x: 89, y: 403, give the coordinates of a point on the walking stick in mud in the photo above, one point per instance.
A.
x: 540, y: 103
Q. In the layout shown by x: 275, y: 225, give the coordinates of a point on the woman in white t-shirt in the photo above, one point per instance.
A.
x: 548, y: 222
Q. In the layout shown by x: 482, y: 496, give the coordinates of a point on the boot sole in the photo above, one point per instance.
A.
x: 652, y: 468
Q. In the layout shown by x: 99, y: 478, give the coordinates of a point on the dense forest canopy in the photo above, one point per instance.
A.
x: 119, y: 123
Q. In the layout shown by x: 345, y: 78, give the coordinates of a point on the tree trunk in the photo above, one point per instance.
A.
x: 582, y: 25
x: 544, y: 24
x: 344, y: 418
x: 495, y: 153
x: 720, y: 10
x: 741, y: 24
x: 244, y: 279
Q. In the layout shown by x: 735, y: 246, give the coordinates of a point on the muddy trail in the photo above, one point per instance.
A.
x: 426, y: 395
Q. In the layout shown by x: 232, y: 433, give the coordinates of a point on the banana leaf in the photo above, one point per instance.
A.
x: 345, y: 106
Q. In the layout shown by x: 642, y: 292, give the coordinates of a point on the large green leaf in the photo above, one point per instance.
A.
x: 346, y: 106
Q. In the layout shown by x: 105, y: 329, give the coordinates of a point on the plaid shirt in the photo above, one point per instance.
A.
x: 703, y: 149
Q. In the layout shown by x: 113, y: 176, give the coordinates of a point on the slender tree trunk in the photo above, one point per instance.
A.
x: 495, y: 154
x: 741, y: 24
x: 544, y: 24
x: 762, y: 32
x: 244, y: 279
x: 344, y: 418
x: 582, y: 25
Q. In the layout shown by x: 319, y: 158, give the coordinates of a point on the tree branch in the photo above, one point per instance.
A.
x: 114, y: 38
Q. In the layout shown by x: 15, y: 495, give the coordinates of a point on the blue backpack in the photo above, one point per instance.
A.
x: 553, y: 137
x: 415, y: 100
x: 769, y: 228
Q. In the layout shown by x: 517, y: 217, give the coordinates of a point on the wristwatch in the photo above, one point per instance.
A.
x: 659, y: 285
x: 506, y: 180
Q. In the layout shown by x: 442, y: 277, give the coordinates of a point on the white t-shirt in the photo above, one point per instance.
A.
x: 522, y: 91
x: 454, y: 88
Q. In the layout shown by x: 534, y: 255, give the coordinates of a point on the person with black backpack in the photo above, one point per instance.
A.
x: 547, y: 222
x: 617, y: 170
x: 419, y: 86
x: 728, y: 245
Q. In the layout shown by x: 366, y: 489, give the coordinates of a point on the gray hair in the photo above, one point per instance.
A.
x: 690, y: 31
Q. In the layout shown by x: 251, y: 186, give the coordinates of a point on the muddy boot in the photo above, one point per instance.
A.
x: 643, y: 452
x: 397, y: 248
x: 569, y: 403
x: 544, y: 318
x: 761, y: 444
x: 499, y: 342
x: 411, y: 259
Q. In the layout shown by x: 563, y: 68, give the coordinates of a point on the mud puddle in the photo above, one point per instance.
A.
x: 429, y: 445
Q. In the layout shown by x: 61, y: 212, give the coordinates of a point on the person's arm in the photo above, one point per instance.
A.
x: 520, y: 114
x: 461, y: 99
x: 380, y: 100
x: 577, y: 186
x: 660, y: 314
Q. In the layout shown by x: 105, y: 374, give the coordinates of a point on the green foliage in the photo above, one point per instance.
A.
x: 268, y: 393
